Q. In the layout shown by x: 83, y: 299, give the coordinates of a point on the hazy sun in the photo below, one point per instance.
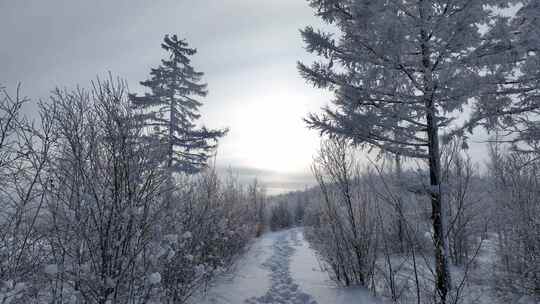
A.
x: 273, y: 136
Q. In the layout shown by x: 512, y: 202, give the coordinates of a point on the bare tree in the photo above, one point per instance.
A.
x: 257, y: 196
x: 24, y: 155
x: 348, y: 211
x: 104, y: 198
x: 465, y: 196
x: 515, y: 179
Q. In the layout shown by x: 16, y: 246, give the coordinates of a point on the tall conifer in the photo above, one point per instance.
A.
x: 171, y: 109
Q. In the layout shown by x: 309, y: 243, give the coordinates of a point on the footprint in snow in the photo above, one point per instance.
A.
x: 283, y: 289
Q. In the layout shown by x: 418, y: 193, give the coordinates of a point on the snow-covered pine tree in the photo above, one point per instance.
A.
x: 403, y: 72
x: 521, y: 122
x: 170, y: 110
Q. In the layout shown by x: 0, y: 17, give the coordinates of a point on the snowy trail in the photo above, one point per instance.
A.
x: 283, y: 290
x: 280, y: 268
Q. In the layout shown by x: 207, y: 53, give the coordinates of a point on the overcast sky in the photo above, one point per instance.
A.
x: 247, y: 48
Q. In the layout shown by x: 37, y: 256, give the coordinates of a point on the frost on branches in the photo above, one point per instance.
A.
x: 404, y: 72
x: 85, y: 214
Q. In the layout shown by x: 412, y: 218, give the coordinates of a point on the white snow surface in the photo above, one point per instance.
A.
x: 51, y: 269
x: 155, y: 278
x: 280, y: 268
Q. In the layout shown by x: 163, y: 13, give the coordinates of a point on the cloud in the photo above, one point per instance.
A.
x: 247, y: 48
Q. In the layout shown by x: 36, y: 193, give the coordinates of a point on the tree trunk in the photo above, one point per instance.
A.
x: 437, y: 214
x: 443, y: 282
x: 399, y: 202
x: 170, y: 156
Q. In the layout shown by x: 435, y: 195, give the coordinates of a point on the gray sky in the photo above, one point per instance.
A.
x: 247, y: 48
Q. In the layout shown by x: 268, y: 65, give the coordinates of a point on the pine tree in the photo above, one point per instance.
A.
x: 403, y: 72
x: 525, y: 85
x: 171, y: 109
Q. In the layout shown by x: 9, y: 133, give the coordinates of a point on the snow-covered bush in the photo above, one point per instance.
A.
x: 208, y: 225
x: 389, y: 209
x: 515, y: 192
x: 105, y: 198
x: 91, y: 215
x: 345, y: 234
x: 465, y: 190
x: 24, y: 151
x: 280, y: 216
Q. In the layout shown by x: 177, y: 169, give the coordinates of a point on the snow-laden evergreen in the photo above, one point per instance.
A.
x: 172, y: 109
x: 524, y: 85
x: 403, y: 73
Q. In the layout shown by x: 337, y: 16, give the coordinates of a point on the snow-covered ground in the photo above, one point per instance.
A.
x: 280, y: 268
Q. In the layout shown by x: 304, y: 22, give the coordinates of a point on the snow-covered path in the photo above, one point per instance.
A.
x: 280, y: 268
x: 283, y: 289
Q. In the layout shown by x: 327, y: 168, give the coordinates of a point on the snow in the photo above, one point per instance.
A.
x: 171, y: 238
x: 527, y: 300
x: 283, y: 289
x: 280, y: 267
x: 155, y: 278
x: 51, y: 269
x: 307, y: 271
x: 248, y: 278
